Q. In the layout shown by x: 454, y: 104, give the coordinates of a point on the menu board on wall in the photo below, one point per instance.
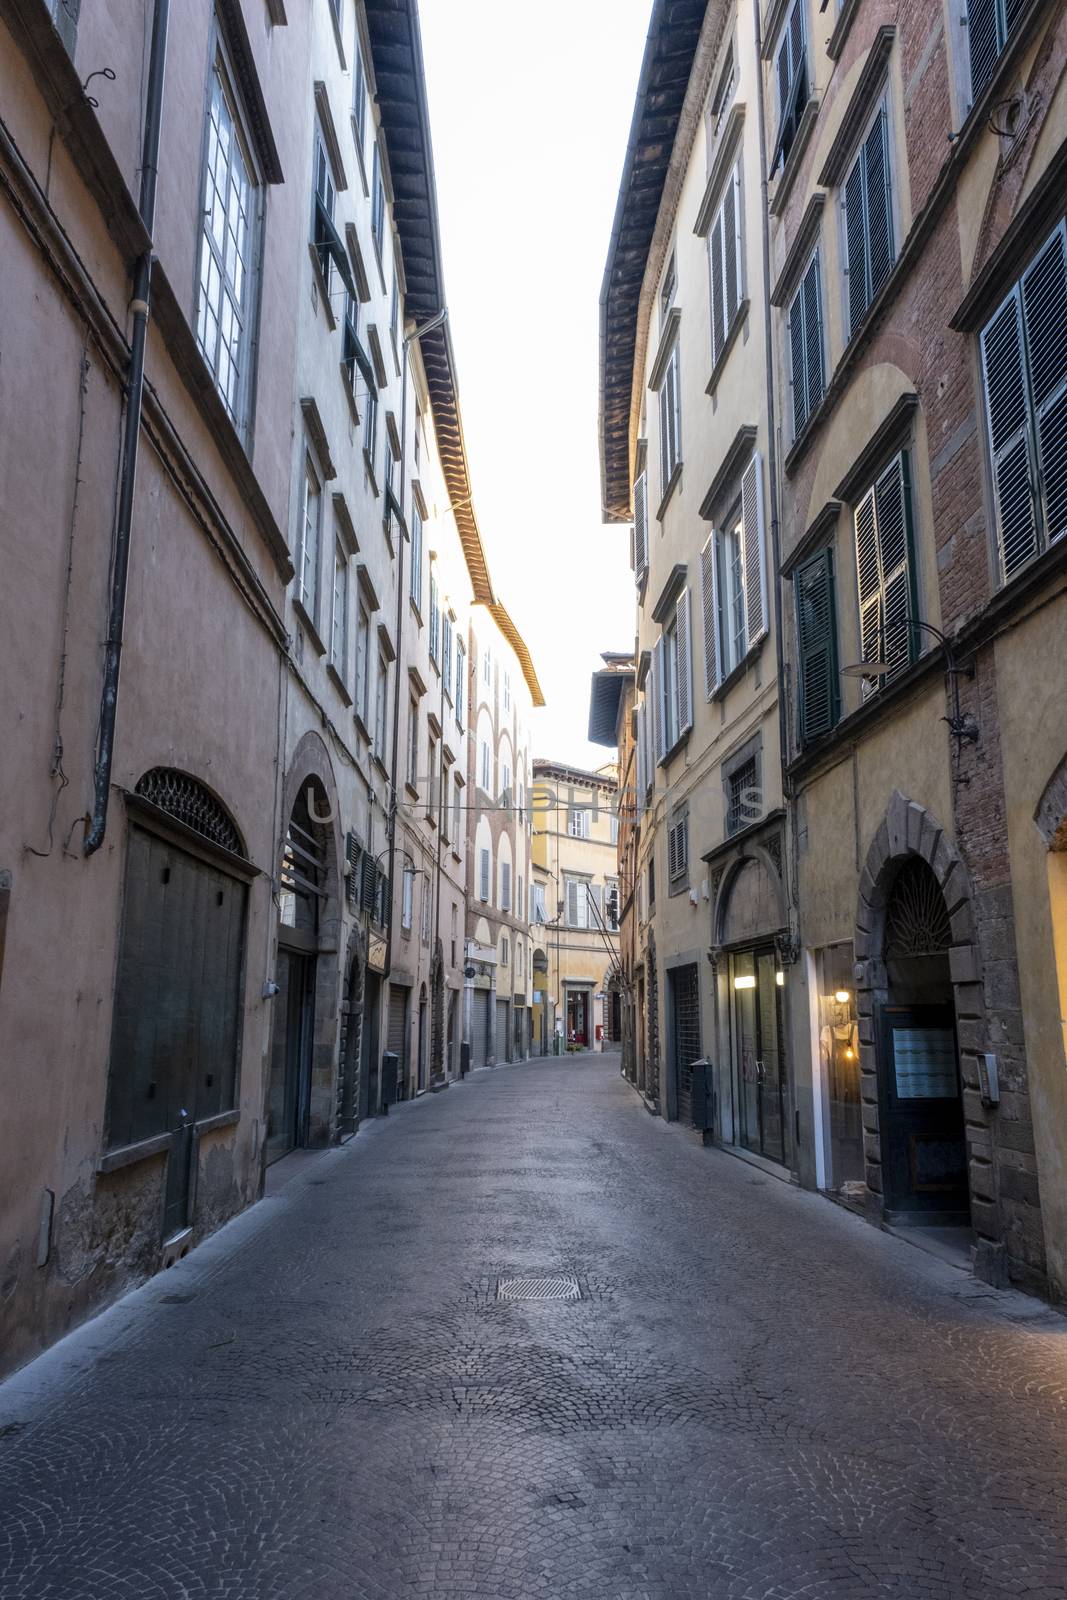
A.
x: 924, y: 1061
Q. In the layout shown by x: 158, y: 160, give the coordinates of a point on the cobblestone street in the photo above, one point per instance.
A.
x: 757, y: 1394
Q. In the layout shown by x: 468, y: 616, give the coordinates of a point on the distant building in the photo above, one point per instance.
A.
x: 575, y: 851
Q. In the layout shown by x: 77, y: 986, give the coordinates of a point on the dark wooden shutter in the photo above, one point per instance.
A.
x: 856, y: 246
x: 816, y: 646
x: 754, y: 539
x: 1007, y: 411
x: 709, y: 590
x: 1044, y: 297
x: 984, y: 40
x: 684, y: 664
x: 879, y: 204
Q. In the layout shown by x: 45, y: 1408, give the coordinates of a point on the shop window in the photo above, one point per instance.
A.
x: 839, y: 1065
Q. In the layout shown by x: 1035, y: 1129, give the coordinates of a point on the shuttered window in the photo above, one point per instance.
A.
x: 461, y: 683
x: 483, y: 875
x: 446, y: 654
x: 868, y: 219
x: 806, y: 370
x: 505, y: 886
x: 726, y: 264
x: 1024, y: 361
x: 733, y: 582
x: 435, y: 621
x: 671, y: 679
x: 640, y: 527
x: 416, y: 557
x: 885, y: 574
x: 678, y: 851
x: 670, y: 423
x: 816, y: 620
x: 791, y: 74
x: 989, y: 23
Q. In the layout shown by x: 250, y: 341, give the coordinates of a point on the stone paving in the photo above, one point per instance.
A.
x: 757, y: 1395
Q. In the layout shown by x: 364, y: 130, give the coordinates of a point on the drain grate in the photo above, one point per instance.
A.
x: 538, y: 1289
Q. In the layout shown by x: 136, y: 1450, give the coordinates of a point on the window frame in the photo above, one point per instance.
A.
x: 881, y: 111
x: 812, y: 274
x: 309, y: 598
x: 241, y: 413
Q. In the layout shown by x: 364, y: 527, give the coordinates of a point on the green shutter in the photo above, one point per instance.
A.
x: 816, y: 646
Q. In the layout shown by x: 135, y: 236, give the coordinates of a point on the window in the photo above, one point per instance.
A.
x: 427, y: 907
x: 359, y: 101
x: 670, y: 424
x: 362, y: 665
x: 885, y: 575
x: 435, y: 621
x: 394, y: 317
x: 678, y: 853
x: 520, y: 895
x: 672, y: 680
x: 380, y: 717
x: 413, y: 744
x: 640, y: 527
x: 339, y: 612
x: 791, y: 75
x: 485, y: 765
x: 578, y: 823
x: 442, y: 789
x: 744, y: 795
x: 816, y: 620
x: 867, y: 212
x: 505, y: 782
x: 504, y: 952
x: 576, y: 899
x: 377, y: 218
x: 350, y: 339
x: 483, y: 874
x: 407, y: 899
x: 806, y: 370
x: 614, y: 827
x: 727, y: 265
x: 457, y: 816
x: 733, y: 567
x: 669, y: 287
x: 324, y: 231
x: 446, y: 653
x: 611, y: 903
x: 227, y: 250
x: 537, y: 903
x: 1024, y: 364
x: 431, y: 795
x: 307, y: 559
x: 461, y: 682
x: 487, y: 668
x: 989, y: 23
x: 505, y: 886
x: 370, y: 428
x: 723, y: 96
x: 416, y: 558
x: 520, y: 966
x: 455, y: 914
x: 507, y: 691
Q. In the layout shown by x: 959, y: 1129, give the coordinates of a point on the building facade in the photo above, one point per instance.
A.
x: 613, y: 722
x: 576, y: 908
x: 688, y: 436
x: 256, y: 504
x: 502, y: 691
x: 917, y: 284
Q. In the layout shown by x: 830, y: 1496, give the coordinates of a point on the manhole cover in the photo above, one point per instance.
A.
x: 538, y: 1289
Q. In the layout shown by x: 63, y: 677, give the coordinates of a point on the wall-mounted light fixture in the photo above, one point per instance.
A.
x: 745, y: 980
x: 842, y: 997
x: 961, y: 724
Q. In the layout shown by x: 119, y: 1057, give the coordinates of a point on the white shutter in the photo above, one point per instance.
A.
x: 731, y: 295
x: 719, y: 315
x: 655, y: 679
x: 684, y: 664
x: 572, y: 902
x: 869, y: 584
x: 641, y: 526
x: 485, y: 875
x: 1044, y: 296
x: 505, y: 886
x: 709, y: 588
x: 755, y: 553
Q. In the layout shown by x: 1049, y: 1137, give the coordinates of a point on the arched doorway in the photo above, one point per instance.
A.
x: 303, y: 892
x: 423, y: 1040
x: 450, y: 1040
x: 924, y: 1151
x: 348, y: 1089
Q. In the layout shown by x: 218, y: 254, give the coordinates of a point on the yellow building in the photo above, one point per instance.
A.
x: 574, y: 910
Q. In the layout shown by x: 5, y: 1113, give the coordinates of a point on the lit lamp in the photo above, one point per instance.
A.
x: 842, y: 997
x: 779, y: 978
x: 746, y: 980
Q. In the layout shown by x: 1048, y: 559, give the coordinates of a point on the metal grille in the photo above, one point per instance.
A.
x: 685, y: 986
x: 538, y: 1289
x: 916, y: 919
x: 181, y: 797
x: 744, y: 801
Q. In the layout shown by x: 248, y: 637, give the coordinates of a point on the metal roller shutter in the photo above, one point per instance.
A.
x: 480, y: 1029
x: 397, y: 1035
x: 501, y: 1031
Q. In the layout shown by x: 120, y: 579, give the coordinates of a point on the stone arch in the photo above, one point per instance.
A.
x: 1051, y: 820
x: 1051, y: 813
x: 909, y: 831
x: 753, y: 856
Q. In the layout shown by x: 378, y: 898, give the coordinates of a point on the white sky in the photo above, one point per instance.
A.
x: 530, y: 107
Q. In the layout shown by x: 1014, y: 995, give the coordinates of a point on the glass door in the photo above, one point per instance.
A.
x: 758, y: 1054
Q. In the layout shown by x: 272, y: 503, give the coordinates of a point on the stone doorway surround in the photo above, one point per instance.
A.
x: 908, y: 829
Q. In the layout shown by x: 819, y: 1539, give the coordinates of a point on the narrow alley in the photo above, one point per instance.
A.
x: 754, y: 1395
